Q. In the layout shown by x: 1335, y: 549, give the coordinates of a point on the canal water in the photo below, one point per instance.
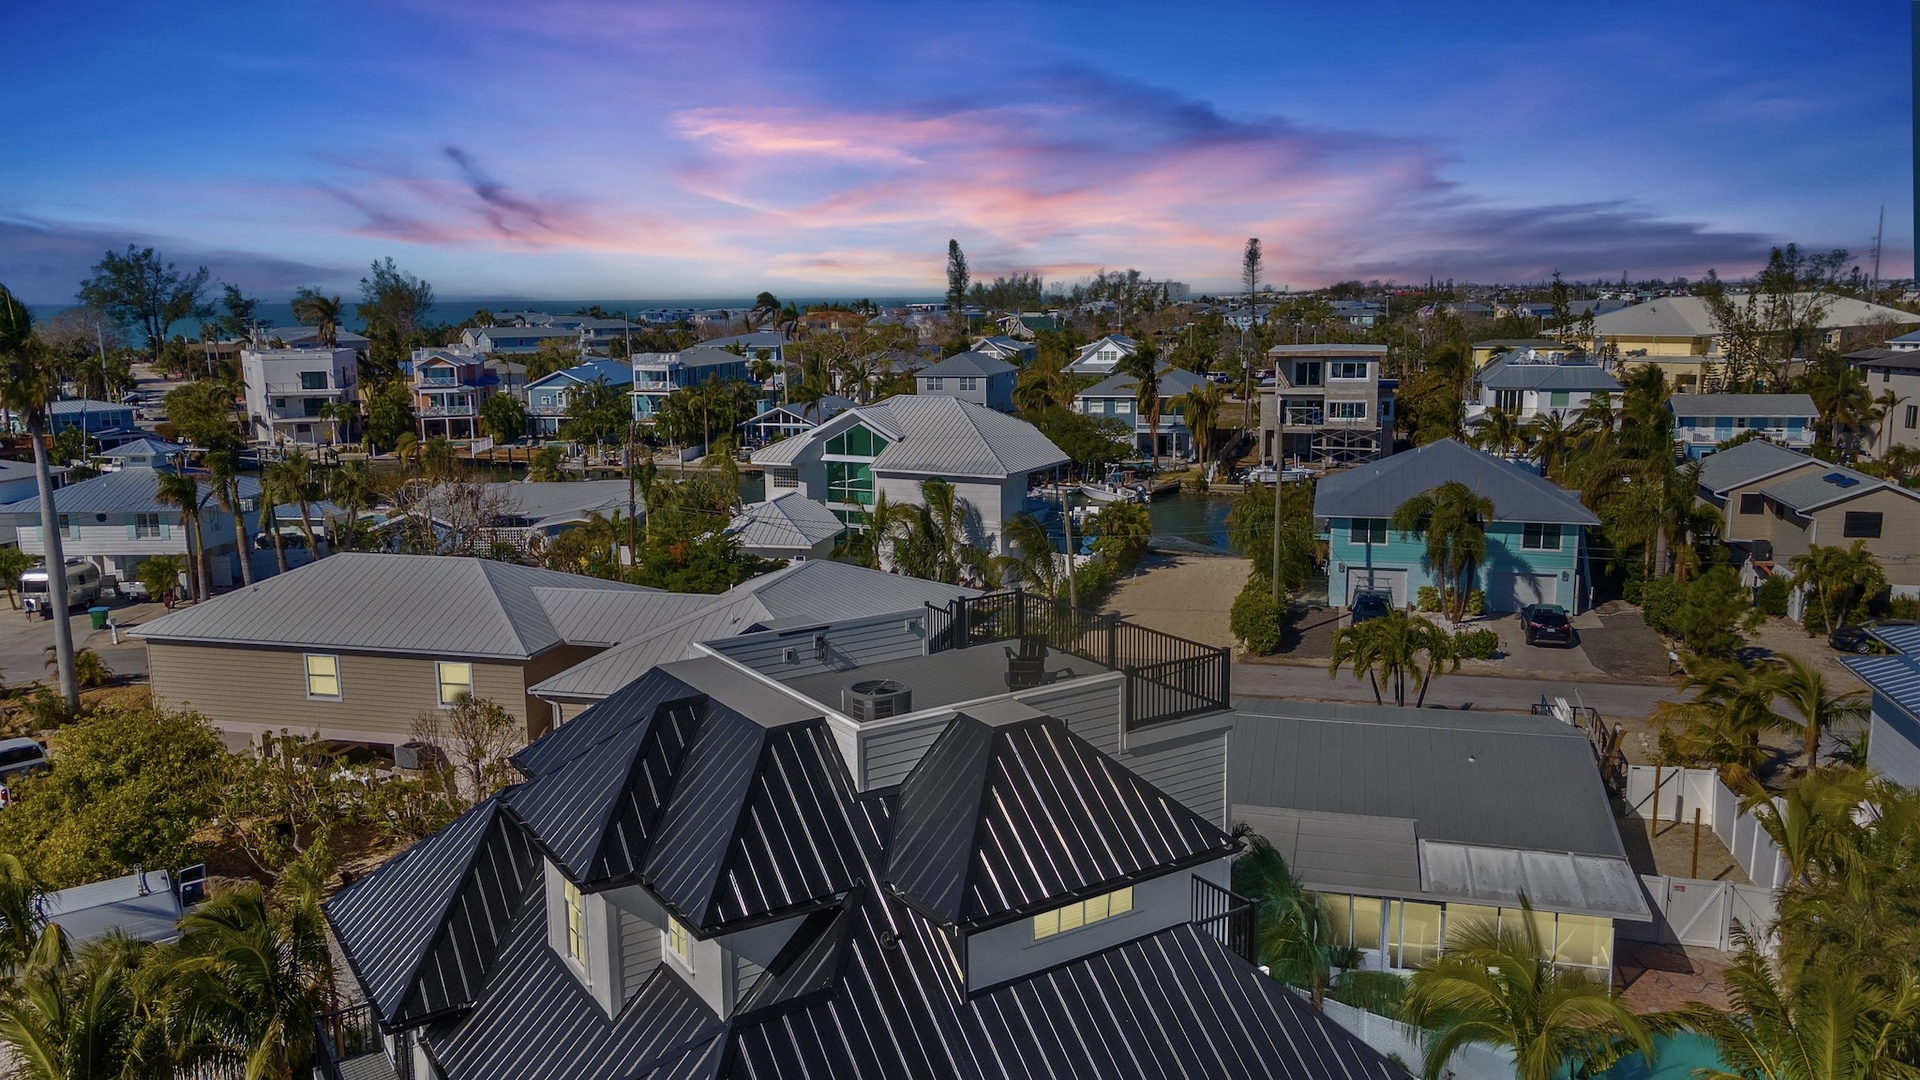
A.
x: 1190, y: 521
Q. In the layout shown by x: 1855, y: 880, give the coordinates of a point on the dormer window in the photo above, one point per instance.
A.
x: 1091, y: 910
x: 576, y: 906
x: 678, y: 943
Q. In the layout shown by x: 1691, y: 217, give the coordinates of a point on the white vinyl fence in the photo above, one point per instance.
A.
x: 1396, y: 1039
x: 1682, y: 791
x: 1690, y: 911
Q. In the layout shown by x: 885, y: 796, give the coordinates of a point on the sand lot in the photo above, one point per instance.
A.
x: 1184, y: 595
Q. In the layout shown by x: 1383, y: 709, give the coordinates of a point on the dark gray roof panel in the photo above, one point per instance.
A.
x: 999, y: 821
x: 1524, y: 782
x: 630, y: 705
x: 1378, y: 488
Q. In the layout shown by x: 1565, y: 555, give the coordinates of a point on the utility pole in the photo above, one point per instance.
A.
x: 1276, y: 519
x: 1066, y: 521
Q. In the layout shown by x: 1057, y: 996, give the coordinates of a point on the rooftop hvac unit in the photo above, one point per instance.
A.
x: 875, y: 699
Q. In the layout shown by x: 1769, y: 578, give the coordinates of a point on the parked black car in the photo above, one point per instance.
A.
x: 1370, y: 604
x: 1859, y: 639
x: 1546, y: 623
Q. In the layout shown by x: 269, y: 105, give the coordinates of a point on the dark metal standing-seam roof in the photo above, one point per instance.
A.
x: 536, y: 1020
x: 570, y: 808
x: 1035, y: 819
x: 468, y: 874
x: 631, y: 705
x: 1378, y: 488
x: 1499, y: 781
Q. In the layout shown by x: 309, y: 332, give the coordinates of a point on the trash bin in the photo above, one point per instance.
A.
x: 99, y: 616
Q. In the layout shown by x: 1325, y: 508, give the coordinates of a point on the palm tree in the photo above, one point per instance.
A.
x: 1499, y: 987
x: 1812, y: 823
x: 20, y: 919
x: 294, y: 481
x: 253, y: 976
x: 1731, y: 707
x: 160, y: 575
x: 223, y: 469
x: 1144, y: 368
x: 1395, y: 647
x: 1453, y: 518
x: 1594, y: 425
x: 1832, y: 1023
x: 84, y: 1016
x: 1034, y: 564
x: 1550, y: 437
x: 936, y: 540
x: 13, y: 563
x: 183, y: 493
x: 1292, y: 934
x: 352, y: 487
x: 1901, y: 460
x: 1839, y: 578
x: 320, y: 312
x: 1200, y: 407
x: 864, y: 543
x: 27, y: 385
x: 1501, y: 432
x: 1805, y: 690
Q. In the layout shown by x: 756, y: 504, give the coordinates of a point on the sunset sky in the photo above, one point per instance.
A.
x: 583, y: 149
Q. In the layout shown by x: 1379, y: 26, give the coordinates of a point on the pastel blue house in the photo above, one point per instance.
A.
x: 657, y: 375
x: 1117, y: 398
x: 550, y: 397
x: 1703, y: 421
x: 1536, y: 542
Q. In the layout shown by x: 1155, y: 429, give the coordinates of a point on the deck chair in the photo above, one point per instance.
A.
x: 1027, y: 668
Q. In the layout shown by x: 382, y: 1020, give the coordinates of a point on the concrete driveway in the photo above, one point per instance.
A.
x: 1543, y: 660
x: 24, y: 642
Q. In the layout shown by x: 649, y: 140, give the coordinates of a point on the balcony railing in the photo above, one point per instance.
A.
x: 298, y: 389
x: 447, y: 410
x: 349, y: 1035
x: 1167, y: 677
x: 1226, y: 915
x: 547, y: 410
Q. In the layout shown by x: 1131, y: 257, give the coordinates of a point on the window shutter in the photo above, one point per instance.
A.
x: 132, y: 534
x: 166, y: 530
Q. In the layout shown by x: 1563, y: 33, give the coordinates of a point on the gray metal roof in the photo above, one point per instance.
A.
x: 75, y: 406
x: 790, y: 522
x: 1549, y: 880
x: 1311, y: 351
x: 815, y: 589
x: 1812, y: 489
x: 1752, y: 460
x: 967, y: 363
x: 1173, y: 383
x: 1511, y: 376
x: 1378, y: 488
x: 132, y: 490
x: 1375, y: 856
x: 1522, y: 782
x: 546, y: 503
x: 1689, y: 316
x: 1783, y: 405
x: 426, y: 605
x: 143, y: 448
x: 945, y: 436
x: 1904, y: 639
x: 144, y: 907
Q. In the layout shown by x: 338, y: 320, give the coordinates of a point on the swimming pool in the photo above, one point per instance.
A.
x: 1677, y: 1057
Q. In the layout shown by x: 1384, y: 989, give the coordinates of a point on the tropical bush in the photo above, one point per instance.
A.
x: 1427, y: 599
x: 1477, y: 644
x: 1772, y: 596
x: 1476, y: 602
x: 1256, y: 621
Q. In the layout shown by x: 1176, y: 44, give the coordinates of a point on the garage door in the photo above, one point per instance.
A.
x: 1393, y: 581
x: 1511, y: 592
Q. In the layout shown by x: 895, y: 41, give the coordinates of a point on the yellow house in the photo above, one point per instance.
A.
x: 1677, y: 333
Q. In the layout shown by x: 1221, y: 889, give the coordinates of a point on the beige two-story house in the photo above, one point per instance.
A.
x: 357, y: 646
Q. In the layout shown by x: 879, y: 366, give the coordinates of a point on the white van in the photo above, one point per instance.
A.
x: 83, y: 586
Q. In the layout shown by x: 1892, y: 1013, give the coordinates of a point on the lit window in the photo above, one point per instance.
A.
x: 323, y: 676
x: 456, y: 682
x: 576, y: 924
x: 678, y: 942
x: 1538, y: 537
x: 1074, y: 916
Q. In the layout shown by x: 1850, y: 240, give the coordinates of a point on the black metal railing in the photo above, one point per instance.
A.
x: 343, y: 1035
x: 1226, y: 915
x: 1168, y: 677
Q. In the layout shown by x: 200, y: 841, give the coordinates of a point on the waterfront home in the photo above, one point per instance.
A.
x: 520, y: 512
x: 107, y: 422
x: 1536, y: 540
x: 1326, y: 403
x: 1530, y: 384
x: 449, y: 387
x: 1117, y: 398
x: 891, y: 447
x: 294, y: 394
x: 1703, y: 421
x: 970, y: 376
x: 488, y: 340
x: 783, y: 421
x: 550, y: 397
x: 656, y: 375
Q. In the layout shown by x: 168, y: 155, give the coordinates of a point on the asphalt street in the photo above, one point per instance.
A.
x: 1483, y: 692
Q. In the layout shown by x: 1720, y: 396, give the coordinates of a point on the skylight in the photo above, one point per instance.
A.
x: 1840, y: 479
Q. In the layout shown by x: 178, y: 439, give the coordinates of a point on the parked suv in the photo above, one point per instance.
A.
x: 1546, y: 622
x: 1370, y: 604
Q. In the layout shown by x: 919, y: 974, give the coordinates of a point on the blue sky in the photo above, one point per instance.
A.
x: 585, y: 149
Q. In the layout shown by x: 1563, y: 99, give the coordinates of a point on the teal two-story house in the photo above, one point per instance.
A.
x: 1536, y: 541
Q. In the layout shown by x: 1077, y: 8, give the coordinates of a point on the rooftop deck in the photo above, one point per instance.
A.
x: 945, y: 678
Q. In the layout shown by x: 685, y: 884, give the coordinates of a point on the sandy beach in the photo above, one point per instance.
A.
x: 1184, y: 595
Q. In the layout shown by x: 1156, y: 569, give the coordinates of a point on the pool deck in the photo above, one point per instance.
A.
x: 1653, y: 978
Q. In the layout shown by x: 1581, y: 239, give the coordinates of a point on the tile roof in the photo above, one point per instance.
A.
x: 789, y: 522
x: 439, y: 605
x: 1378, y: 488
x: 1752, y: 460
x: 999, y: 820
x: 967, y: 363
x: 817, y: 590
x: 1742, y: 405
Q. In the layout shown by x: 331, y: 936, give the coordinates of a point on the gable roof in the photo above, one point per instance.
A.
x: 1504, y: 374
x: 816, y: 590
x: 1002, y: 819
x: 144, y: 447
x: 791, y: 521
x: 1742, y: 405
x: 967, y: 363
x: 1886, y: 359
x: 933, y: 435
x: 1378, y: 488
x: 1755, y: 459
x: 439, y: 605
x: 546, y: 503
x: 611, y: 372
x: 131, y: 490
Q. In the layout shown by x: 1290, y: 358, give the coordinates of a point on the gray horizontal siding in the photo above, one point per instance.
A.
x: 889, y: 754
x: 1091, y: 708
x: 849, y: 646
x: 1193, y: 771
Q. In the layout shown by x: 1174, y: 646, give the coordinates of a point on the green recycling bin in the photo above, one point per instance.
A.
x: 99, y: 616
